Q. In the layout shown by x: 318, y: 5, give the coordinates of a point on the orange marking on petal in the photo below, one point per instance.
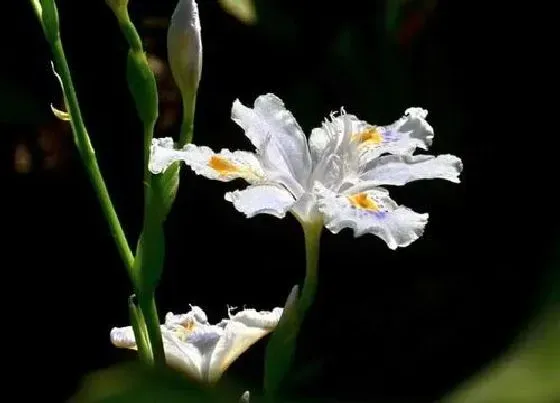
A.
x: 362, y: 200
x: 370, y: 136
x: 221, y: 165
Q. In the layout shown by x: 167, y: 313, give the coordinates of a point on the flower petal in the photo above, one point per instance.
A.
x: 195, y: 314
x: 269, y: 120
x: 253, y: 318
x: 194, y: 339
x: 162, y: 154
x: 180, y: 355
x: 371, y: 211
x: 224, y: 166
x: 262, y: 199
x: 123, y: 337
x: 403, y: 137
x: 240, y: 332
x: 401, y: 169
x: 335, y: 136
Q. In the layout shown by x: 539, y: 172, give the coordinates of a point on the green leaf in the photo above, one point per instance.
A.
x: 142, y: 85
x: 165, y: 186
x: 140, y: 331
x: 49, y: 18
x: 150, y: 254
x: 243, y: 10
x: 281, y: 346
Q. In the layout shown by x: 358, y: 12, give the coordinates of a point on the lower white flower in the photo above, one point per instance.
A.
x: 333, y: 178
x: 200, y: 349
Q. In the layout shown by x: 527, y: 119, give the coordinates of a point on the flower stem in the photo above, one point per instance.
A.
x: 87, y: 154
x: 312, y: 234
x: 187, y: 123
x: 142, y: 85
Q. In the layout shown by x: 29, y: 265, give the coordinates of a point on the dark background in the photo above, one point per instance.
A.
x: 398, y: 326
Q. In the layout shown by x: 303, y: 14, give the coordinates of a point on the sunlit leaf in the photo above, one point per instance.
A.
x: 244, y: 10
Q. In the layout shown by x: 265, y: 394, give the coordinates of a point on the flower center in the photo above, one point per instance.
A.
x: 184, y: 330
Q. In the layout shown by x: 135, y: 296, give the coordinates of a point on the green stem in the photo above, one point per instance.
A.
x: 146, y: 297
x: 87, y: 154
x: 129, y: 31
x: 312, y: 234
x: 187, y: 123
x: 148, y: 307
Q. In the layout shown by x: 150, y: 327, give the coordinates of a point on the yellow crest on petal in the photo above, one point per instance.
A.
x: 221, y: 165
x: 370, y: 135
x: 363, y: 201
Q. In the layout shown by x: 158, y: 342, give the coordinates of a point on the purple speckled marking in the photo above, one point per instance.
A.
x: 204, y: 337
x: 380, y: 214
x: 389, y: 135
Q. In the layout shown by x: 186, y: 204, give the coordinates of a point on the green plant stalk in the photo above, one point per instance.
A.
x: 87, y: 153
x: 129, y: 31
x: 312, y: 235
x: 146, y: 298
x: 187, y: 124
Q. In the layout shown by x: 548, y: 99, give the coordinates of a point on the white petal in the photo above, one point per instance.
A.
x: 403, y: 137
x: 269, y: 120
x: 224, y: 166
x: 373, y: 212
x: 240, y: 332
x: 182, y: 356
x: 267, y: 156
x: 162, y: 154
x: 319, y: 140
x: 196, y: 314
x: 193, y: 340
x: 401, y: 169
x: 335, y: 136
x: 123, y: 337
x: 253, y: 318
x: 262, y: 199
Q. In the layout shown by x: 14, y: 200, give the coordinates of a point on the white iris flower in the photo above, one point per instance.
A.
x: 335, y: 178
x: 200, y: 349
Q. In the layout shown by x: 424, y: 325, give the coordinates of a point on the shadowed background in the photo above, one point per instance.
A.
x: 406, y: 325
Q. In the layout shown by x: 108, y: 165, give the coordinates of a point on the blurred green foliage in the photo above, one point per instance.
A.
x: 134, y: 382
x: 137, y: 383
x: 530, y: 371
